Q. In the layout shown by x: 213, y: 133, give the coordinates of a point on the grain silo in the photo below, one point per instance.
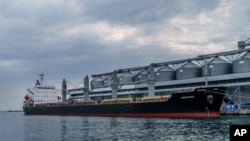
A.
x: 242, y: 64
x: 217, y: 66
x: 142, y: 76
x: 126, y: 78
x: 97, y: 82
x: 188, y: 70
x: 107, y: 81
x: 165, y: 73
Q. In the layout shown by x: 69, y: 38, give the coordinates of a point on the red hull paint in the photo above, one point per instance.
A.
x: 153, y: 115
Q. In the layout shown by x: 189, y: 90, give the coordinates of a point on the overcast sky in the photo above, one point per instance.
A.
x: 73, y: 38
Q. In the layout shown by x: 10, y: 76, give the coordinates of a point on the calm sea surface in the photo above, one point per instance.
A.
x: 15, y: 126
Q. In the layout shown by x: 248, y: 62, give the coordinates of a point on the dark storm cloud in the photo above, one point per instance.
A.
x: 34, y: 28
x: 30, y: 27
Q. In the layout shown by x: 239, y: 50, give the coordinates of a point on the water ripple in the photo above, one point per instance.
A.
x: 63, y: 128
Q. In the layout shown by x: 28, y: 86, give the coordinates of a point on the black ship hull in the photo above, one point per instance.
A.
x: 200, y: 103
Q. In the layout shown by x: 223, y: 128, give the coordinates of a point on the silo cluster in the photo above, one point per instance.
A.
x: 180, y: 70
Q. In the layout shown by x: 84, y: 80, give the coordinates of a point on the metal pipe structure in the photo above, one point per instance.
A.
x: 144, y: 74
x: 198, y: 58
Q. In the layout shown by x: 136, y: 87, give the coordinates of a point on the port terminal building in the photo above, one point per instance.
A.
x: 229, y: 69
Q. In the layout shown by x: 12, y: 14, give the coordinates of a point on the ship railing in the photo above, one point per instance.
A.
x: 155, y: 98
x: 117, y: 101
x: 41, y: 105
x: 85, y: 103
x: 65, y: 104
x: 107, y: 101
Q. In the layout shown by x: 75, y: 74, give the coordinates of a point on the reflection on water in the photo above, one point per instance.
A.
x: 63, y: 129
x: 66, y: 128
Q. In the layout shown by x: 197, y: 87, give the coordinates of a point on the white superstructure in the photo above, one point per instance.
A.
x: 41, y: 94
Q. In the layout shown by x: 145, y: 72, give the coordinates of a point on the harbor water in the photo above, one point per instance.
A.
x: 15, y: 126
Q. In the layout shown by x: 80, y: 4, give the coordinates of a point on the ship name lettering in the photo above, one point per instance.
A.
x: 187, y: 97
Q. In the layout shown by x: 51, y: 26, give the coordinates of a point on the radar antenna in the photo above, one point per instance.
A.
x: 243, y: 44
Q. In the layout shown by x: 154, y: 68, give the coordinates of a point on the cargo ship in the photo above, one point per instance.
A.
x: 200, y: 102
x: 193, y: 87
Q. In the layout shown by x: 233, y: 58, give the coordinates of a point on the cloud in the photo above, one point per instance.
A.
x: 16, y: 66
x: 69, y: 39
x: 103, y: 30
x: 141, y: 12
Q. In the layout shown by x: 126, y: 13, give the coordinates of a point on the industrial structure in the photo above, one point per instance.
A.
x: 230, y: 69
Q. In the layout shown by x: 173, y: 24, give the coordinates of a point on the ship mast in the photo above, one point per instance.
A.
x: 41, y: 78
